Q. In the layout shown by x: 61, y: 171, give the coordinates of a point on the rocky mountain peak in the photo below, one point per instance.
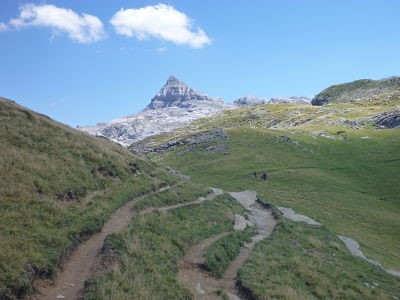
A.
x: 173, y: 80
x: 176, y: 93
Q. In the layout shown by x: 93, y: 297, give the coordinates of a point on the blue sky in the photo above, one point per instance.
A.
x: 83, y: 62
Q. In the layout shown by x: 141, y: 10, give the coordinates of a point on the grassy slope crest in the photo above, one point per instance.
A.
x: 356, y: 89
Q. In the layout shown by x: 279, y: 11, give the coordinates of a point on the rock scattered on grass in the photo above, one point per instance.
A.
x: 354, y: 248
x: 290, y: 214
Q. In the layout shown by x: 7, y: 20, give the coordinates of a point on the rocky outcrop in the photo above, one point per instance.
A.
x: 388, y: 119
x: 252, y: 100
x: 249, y: 101
x: 209, y: 136
x: 292, y: 100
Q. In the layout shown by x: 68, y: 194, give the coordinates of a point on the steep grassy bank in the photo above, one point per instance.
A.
x: 57, y: 187
x: 150, y: 248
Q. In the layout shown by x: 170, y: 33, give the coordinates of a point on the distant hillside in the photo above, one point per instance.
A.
x: 372, y: 112
x: 356, y: 89
x: 252, y: 100
x: 57, y: 187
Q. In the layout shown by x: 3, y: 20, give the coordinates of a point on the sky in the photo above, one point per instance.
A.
x: 90, y: 61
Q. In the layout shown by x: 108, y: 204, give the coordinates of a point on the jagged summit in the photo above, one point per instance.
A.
x: 175, y: 105
x: 176, y: 93
x: 172, y: 80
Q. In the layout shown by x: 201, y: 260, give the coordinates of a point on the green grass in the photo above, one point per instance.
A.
x: 222, y: 252
x: 152, y: 245
x: 350, y: 185
x: 300, y: 261
x: 181, y: 192
x: 57, y: 187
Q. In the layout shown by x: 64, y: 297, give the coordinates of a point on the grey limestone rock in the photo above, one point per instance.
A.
x: 388, y: 119
x: 240, y: 223
x: 176, y: 93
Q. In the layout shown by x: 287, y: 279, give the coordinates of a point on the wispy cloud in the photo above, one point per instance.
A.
x: 3, y: 26
x: 161, y: 49
x: 81, y: 28
x: 159, y: 21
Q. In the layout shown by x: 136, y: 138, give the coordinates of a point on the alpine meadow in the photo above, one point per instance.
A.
x: 234, y: 150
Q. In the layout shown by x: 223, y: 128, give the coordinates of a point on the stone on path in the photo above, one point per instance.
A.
x: 240, y: 223
x: 217, y: 191
x: 232, y: 297
x: 246, y: 198
x: 199, y: 289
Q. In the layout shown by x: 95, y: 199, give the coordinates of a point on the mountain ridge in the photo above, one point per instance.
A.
x: 175, y: 105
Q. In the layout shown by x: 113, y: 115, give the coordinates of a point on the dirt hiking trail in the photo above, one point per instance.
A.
x: 80, y: 265
x: 202, y: 284
x: 84, y: 262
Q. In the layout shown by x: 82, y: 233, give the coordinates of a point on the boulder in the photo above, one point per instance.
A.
x: 240, y: 223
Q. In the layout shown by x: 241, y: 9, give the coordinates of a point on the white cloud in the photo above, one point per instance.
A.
x: 3, y: 26
x: 160, y: 21
x: 84, y: 29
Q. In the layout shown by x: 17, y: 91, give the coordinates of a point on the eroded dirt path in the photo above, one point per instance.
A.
x: 203, y: 285
x: 83, y: 262
x: 198, y: 201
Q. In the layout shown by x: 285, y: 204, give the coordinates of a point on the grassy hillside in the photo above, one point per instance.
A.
x: 355, y: 90
x: 347, y: 182
x: 365, y: 113
x: 344, y: 176
x: 57, y: 187
x: 301, y: 261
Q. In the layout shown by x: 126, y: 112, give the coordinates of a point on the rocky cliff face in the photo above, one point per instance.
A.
x: 175, y: 105
x: 176, y: 93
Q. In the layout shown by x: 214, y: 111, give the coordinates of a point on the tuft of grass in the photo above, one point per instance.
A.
x: 58, y: 186
x: 222, y: 252
x: 300, y: 261
x: 153, y: 244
